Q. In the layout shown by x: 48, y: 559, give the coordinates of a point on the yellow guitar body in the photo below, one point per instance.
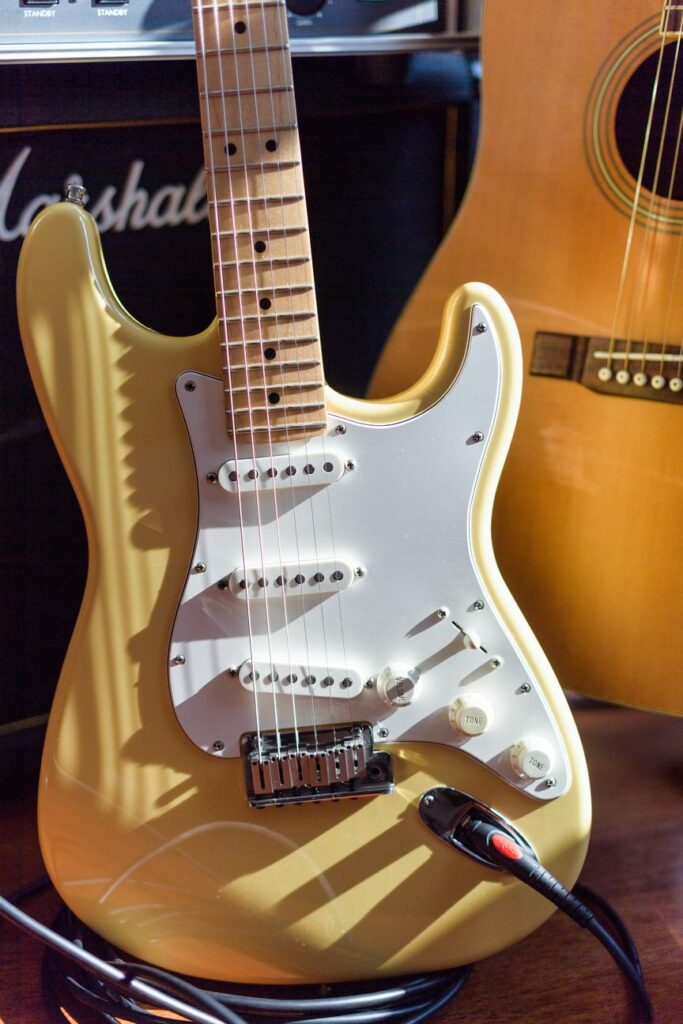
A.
x: 150, y: 840
x: 588, y: 515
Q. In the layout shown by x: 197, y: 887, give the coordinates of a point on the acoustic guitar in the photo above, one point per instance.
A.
x: 575, y: 214
x: 294, y: 638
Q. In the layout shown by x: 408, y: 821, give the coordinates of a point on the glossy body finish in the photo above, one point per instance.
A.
x: 588, y: 514
x: 150, y: 840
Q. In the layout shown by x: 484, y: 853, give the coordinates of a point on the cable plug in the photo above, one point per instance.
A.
x: 499, y: 847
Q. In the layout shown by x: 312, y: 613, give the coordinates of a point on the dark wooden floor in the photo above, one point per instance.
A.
x: 559, y: 974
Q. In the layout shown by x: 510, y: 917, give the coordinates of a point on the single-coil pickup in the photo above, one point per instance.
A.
x: 245, y: 476
x: 308, y: 680
x: 297, y: 580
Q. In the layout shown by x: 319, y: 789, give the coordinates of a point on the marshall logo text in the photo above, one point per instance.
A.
x: 132, y: 207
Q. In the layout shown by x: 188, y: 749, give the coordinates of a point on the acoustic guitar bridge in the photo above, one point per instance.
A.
x: 326, y: 763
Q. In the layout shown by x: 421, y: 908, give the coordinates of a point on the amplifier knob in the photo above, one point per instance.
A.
x: 532, y: 758
x: 398, y: 685
x: 471, y: 715
x: 305, y: 7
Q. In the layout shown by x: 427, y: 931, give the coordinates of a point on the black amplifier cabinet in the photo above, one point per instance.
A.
x: 142, y: 29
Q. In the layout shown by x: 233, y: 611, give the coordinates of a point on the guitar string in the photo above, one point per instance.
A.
x: 223, y: 328
x: 236, y: 52
x: 650, y: 239
x: 331, y: 701
x: 679, y: 245
x: 299, y: 597
x: 626, y: 262
x: 222, y: 51
x: 261, y: 132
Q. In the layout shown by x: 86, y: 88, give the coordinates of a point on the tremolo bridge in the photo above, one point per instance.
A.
x: 314, y: 764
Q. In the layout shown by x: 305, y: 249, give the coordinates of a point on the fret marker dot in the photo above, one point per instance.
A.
x: 273, y: 398
x: 240, y: 27
x: 260, y: 246
x: 271, y: 145
x: 265, y: 303
x: 270, y: 353
x: 231, y: 149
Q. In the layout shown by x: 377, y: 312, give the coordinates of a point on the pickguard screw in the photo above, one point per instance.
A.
x: 218, y: 745
x: 179, y: 659
x: 550, y: 783
x: 350, y: 464
x: 340, y: 429
x: 360, y: 572
x: 525, y: 688
x: 383, y: 733
x: 477, y: 436
x: 428, y: 800
x: 478, y: 606
x: 480, y: 328
x: 369, y: 683
x: 212, y: 477
x: 190, y: 385
x: 232, y: 671
x: 442, y: 613
x: 199, y: 567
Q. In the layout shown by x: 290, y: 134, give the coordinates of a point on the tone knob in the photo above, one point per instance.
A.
x: 471, y: 714
x: 532, y: 758
x: 398, y: 685
x: 305, y: 7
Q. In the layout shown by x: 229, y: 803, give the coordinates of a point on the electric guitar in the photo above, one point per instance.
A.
x: 575, y: 213
x: 294, y: 637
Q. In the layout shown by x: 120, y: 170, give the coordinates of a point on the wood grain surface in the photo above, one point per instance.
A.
x: 559, y: 973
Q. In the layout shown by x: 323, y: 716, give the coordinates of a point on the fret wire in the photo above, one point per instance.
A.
x: 257, y: 318
x: 261, y: 89
x: 251, y: 232
x: 303, y: 385
x: 241, y: 200
x: 252, y: 131
x: 285, y: 428
x: 281, y: 289
x: 271, y: 264
x: 271, y: 341
x: 284, y: 365
x: 280, y: 407
x: 283, y: 165
x: 243, y: 50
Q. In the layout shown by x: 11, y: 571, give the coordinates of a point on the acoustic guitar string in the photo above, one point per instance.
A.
x: 650, y: 239
x: 626, y: 262
x: 235, y: 52
x: 251, y: 11
x: 200, y: 12
x: 291, y: 118
x: 673, y: 290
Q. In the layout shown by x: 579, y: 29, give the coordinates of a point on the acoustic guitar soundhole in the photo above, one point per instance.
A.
x: 631, y: 123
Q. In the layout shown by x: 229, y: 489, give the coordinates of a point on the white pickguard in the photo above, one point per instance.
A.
x: 401, y: 514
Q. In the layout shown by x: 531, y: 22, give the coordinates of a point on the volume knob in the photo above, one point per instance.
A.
x: 532, y: 758
x: 398, y: 685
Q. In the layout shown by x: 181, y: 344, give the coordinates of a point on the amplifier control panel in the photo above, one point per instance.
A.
x: 66, y: 30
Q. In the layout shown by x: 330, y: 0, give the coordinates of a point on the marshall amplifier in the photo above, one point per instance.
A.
x: 67, y: 30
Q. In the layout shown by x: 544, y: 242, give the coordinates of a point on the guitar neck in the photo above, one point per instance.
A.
x: 265, y: 296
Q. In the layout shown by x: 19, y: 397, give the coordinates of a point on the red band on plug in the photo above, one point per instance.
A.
x: 506, y: 847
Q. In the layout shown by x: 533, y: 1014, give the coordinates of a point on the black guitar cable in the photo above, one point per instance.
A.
x: 114, y: 988
x: 493, y: 843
